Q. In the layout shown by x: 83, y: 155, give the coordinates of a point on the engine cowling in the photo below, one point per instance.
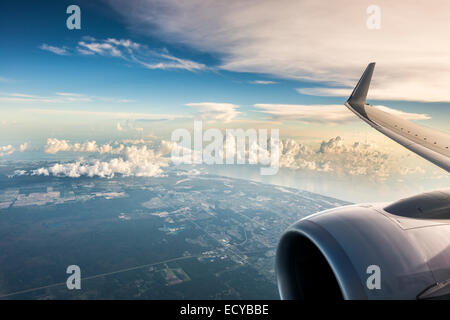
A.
x: 329, y: 255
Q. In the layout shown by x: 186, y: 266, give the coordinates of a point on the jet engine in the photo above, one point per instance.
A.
x: 399, y: 250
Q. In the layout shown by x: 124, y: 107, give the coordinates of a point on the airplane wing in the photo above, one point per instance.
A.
x: 430, y: 144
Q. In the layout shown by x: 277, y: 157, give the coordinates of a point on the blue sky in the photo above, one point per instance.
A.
x: 39, y: 72
x: 143, y: 68
x: 30, y: 70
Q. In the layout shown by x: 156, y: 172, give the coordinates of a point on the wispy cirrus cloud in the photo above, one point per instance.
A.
x: 135, y: 52
x: 128, y: 50
x: 288, y: 39
x: 306, y: 113
x: 324, y: 113
x: 263, y: 82
x: 107, y: 115
x: 384, y: 91
x: 59, y: 97
x: 61, y: 51
x: 101, y: 48
x: 56, y: 98
x: 215, y: 111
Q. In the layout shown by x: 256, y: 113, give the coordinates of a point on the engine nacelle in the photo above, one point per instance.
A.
x: 331, y: 255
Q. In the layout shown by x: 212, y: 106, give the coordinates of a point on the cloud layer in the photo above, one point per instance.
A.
x: 344, y: 159
x: 131, y: 160
x: 127, y: 50
x: 58, y: 97
x: 324, y: 113
x: 214, y: 111
x: 137, y: 157
x: 313, y: 40
x: 6, y: 150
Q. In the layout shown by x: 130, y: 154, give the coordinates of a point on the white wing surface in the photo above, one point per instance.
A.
x: 431, y: 144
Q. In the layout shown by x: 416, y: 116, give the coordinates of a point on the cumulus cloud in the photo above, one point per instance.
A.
x: 289, y: 39
x: 23, y: 147
x: 132, y: 160
x: 54, y: 145
x: 61, y: 51
x: 214, y: 111
x: 6, y: 150
x: 131, y: 141
x: 339, y: 158
x: 324, y: 113
x: 137, y: 162
x: 138, y: 157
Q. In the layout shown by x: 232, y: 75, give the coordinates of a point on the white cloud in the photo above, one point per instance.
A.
x: 107, y: 115
x: 172, y: 63
x: 23, y: 147
x: 313, y: 40
x: 103, y: 169
x: 6, y: 150
x: 339, y: 158
x: 68, y: 94
x: 214, y: 111
x: 324, y: 113
x: 334, y: 157
x: 404, y: 115
x: 131, y: 141
x: 307, y: 113
x: 124, y: 43
x: 400, y: 91
x: 137, y: 53
x: 57, y: 98
x: 54, y: 145
x: 62, y: 51
x: 85, y: 52
x: 133, y: 160
x: 100, y: 48
x: 263, y: 82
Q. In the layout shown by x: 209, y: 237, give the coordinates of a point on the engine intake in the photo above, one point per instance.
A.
x: 330, y: 255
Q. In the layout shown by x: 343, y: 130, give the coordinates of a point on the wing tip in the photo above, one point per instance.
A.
x: 361, y: 89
